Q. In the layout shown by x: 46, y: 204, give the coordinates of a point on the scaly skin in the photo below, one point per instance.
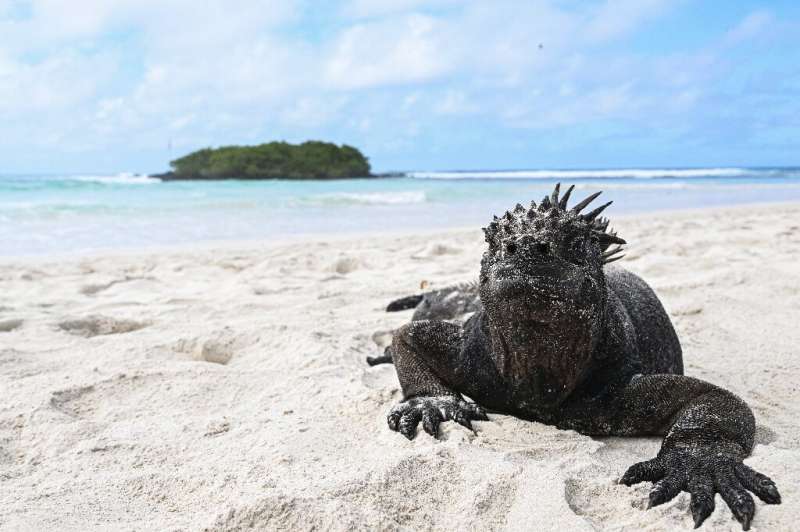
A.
x: 561, y: 338
x: 450, y: 303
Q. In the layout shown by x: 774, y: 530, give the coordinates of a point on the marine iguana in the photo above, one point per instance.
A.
x: 563, y: 339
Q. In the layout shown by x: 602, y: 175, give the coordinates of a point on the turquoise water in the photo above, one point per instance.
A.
x: 79, y: 214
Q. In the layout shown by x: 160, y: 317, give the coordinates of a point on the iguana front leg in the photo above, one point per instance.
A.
x: 709, y: 431
x: 426, y: 355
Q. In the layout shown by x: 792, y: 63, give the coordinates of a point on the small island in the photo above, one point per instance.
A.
x: 272, y: 160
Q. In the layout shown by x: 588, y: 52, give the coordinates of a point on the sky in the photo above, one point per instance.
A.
x: 106, y: 86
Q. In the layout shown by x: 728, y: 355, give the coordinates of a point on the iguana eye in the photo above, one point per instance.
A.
x: 543, y: 248
x: 511, y: 248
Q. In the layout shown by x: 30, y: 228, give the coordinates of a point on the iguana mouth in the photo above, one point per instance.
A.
x: 524, y: 285
x: 533, y: 300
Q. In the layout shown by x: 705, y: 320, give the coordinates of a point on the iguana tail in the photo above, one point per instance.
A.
x: 404, y: 303
x: 385, y: 358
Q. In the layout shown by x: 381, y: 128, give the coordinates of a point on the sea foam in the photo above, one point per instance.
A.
x: 365, y: 198
x: 631, y: 173
x: 117, y: 179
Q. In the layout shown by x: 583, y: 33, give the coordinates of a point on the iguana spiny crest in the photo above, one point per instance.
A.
x: 552, y: 222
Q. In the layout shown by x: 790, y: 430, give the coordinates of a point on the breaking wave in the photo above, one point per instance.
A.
x: 364, y: 198
x: 118, y: 179
x: 632, y: 173
x: 682, y: 185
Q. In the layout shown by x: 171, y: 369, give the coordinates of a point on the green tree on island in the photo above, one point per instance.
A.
x: 309, y: 160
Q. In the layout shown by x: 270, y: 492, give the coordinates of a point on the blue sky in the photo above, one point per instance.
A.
x: 127, y: 85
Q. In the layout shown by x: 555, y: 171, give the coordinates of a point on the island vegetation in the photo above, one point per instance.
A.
x: 272, y: 160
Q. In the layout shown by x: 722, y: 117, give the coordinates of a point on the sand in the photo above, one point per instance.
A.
x: 224, y: 388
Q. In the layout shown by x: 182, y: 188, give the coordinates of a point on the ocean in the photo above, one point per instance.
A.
x: 77, y: 214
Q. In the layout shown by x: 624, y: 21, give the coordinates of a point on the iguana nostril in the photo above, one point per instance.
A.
x: 543, y: 248
x: 511, y: 248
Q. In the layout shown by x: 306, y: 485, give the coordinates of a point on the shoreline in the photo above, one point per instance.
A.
x: 314, y: 238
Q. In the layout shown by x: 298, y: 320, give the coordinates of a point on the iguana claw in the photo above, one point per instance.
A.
x: 431, y: 411
x: 703, y: 472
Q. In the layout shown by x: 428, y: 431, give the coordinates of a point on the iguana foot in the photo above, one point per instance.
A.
x: 404, y: 417
x: 703, y: 470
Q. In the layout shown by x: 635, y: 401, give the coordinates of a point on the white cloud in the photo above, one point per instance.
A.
x: 122, y: 72
x: 60, y: 81
x: 751, y: 26
x: 388, y: 52
x: 614, y: 18
x: 455, y: 102
x: 375, y: 8
x: 310, y: 112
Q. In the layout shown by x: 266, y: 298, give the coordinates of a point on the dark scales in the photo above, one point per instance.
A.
x: 556, y: 336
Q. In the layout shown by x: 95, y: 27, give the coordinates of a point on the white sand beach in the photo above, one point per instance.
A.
x: 225, y: 388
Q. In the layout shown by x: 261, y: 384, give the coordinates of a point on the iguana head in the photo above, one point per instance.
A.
x: 543, y: 288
